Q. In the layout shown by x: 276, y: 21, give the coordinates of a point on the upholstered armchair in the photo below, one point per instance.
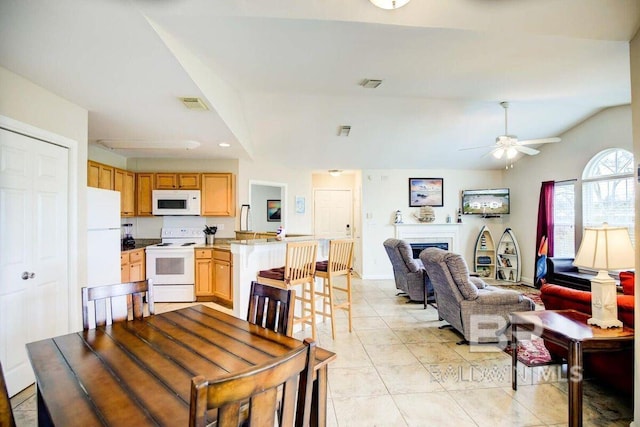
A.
x: 409, y: 273
x: 478, y: 311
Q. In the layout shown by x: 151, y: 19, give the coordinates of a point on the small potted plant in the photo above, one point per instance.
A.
x: 210, y: 234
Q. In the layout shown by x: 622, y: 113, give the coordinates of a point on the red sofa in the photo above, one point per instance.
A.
x: 616, y: 368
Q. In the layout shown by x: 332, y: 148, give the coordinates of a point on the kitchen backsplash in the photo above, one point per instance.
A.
x: 149, y: 227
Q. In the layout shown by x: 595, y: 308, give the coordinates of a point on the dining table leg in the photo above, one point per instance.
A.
x: 514, y: 356
x: 319, y: 398
x: 44, y: 419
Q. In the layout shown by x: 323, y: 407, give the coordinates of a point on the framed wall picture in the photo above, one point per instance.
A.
x: 425, y: 192
x: 299, y: 204
x: 273, y: 210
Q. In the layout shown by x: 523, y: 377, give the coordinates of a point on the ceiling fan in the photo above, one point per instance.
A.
x: 509, y: 145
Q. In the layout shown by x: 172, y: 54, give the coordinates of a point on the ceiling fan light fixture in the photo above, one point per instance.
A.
x: 389, y: 4
x: 511, y: 152
x: 498, y: 152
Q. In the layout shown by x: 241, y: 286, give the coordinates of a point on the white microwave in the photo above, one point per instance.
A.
x: 176, y: 202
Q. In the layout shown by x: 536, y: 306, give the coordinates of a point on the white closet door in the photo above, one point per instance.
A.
x: 34, y: 280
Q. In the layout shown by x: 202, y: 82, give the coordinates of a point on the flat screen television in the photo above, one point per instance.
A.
x: 488, y: 202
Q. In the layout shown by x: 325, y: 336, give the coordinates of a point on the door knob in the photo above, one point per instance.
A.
x: 26, y: 275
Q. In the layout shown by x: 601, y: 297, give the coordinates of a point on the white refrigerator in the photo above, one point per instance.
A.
x: 103, y: 237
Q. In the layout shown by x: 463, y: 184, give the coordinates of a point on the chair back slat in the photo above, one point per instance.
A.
x: 340, y: 256
x: 105, y: 310
x: 6, y: 413
x: 300, y: 264
x: 258, y: 388
x: 271, y: 308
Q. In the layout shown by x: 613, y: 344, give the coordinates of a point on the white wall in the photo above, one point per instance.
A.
x: 386, y: 190
x: 557, y: 162
x: 30, y: 104
x: 297, y: 183
x: 259, y: 196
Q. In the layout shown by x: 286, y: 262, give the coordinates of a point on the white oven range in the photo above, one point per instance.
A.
x: 171, y: 264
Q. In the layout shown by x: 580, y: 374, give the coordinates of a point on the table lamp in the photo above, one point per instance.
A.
x: 606, y: 248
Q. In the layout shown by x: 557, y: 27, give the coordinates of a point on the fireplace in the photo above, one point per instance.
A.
x: 421, y: 236
x: 419, y: 247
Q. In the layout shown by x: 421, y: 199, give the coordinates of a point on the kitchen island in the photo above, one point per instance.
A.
x: 251, y: 256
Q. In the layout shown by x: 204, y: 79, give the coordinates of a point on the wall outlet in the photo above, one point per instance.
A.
x: 220, y: 227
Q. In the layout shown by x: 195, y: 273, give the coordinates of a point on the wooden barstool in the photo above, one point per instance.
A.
x: 299, y: 270
x: 339, y: 264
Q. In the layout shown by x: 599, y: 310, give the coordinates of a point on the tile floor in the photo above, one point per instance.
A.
x: 398, y: 368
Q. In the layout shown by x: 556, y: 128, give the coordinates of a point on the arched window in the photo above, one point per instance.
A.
x: 608, y: 190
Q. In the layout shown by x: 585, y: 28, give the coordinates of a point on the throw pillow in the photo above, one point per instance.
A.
x: 627, y: 280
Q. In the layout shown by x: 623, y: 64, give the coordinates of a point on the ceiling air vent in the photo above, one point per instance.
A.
x: 344, y: 130
x: 194, y: 103
x: 370, y: 83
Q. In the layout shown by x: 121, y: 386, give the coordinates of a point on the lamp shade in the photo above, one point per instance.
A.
x: 606, y: 248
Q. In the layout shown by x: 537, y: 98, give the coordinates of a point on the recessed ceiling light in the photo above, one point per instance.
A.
x: 370, y: 83
x: 344, y: 130
x: 224, y: 144
x: 389, y: 4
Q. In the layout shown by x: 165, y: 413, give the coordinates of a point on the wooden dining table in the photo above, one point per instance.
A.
x: 139, y: 372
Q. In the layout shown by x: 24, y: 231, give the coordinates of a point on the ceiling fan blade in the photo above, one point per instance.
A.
x: 539, y: 141
x: 475, y: 148
x: 526, y: 150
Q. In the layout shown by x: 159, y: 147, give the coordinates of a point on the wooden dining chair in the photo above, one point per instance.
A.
x: 339, y: 263
x: 6, y: 413
x: 299, y: 270
x: 271, y: 308
x: 105, y: 308
x: 277, y: 393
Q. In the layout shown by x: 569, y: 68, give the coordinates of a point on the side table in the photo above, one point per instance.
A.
x: 568, y: 329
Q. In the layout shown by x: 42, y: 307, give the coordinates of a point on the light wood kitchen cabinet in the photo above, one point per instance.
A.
x: 177, y: 181
x: 144, y: 187
x: 223, y: 287
x: 213, y: 276
x: 132, y: 265
x: 125, y: 183
x: 100, y: 175
x: 218, y: 196
x: 204, y: 273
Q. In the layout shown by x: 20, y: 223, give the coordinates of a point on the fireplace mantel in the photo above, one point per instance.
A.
x: 430, y: 233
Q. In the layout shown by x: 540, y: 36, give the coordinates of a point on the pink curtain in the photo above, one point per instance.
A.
x: 544, y: 231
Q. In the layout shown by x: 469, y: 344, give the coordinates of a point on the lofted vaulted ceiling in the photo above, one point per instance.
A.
x: 281, y: 76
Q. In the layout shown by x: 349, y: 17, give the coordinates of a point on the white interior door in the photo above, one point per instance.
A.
x: 33, y: 249
x: 332, y: 213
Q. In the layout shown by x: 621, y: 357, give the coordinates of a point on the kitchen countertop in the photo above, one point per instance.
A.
x: 141, y: 244
x: 254, y: 242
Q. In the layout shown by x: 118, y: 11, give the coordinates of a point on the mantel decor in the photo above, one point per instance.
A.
x: 425, y: 192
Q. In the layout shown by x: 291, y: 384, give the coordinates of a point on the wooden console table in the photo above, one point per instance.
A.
x: 568, y: 329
